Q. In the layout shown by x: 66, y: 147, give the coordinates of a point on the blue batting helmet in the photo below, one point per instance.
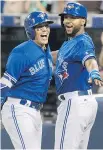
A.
x: 75, y: 9
x: 34, y: 19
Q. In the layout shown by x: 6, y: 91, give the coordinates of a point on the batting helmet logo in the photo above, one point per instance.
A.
x: 70, y: 6
x: 42, y: 15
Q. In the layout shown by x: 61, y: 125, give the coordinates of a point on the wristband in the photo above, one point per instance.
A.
x: 94, y: 74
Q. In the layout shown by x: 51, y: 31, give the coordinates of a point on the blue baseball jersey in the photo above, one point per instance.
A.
x: 71, y: 73
x: 29, y: 69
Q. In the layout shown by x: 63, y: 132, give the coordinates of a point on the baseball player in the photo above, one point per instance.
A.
x: 76, y: 69
x: 25, y: 84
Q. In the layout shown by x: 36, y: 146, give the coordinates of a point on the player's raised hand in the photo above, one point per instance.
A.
x: 97, y: 82
x: 96, y: 78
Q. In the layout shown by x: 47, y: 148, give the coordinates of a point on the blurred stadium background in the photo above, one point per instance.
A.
x: 12, y: 33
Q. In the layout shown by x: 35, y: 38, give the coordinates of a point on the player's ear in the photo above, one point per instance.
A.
x: 83, y: 21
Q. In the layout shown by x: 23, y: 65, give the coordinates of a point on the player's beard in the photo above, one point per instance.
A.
x: 74, y: 32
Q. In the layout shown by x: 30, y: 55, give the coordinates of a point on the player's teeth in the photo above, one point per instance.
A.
x: 43, y: 35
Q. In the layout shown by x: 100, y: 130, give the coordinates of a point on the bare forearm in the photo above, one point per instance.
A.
x: 91, y: 64
x: 54, y: 55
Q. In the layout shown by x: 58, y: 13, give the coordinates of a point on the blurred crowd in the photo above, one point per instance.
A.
x: 48, y: 6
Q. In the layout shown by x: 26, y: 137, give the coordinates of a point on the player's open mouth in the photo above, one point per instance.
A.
x: 67, y: 26
x: 44, y: 35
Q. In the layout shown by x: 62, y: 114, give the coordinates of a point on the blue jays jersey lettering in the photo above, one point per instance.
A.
x: 29, y: 69
x: 71, y: 74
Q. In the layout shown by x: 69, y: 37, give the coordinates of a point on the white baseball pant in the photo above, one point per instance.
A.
x: 23, y: 124
x: 76, y: 116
